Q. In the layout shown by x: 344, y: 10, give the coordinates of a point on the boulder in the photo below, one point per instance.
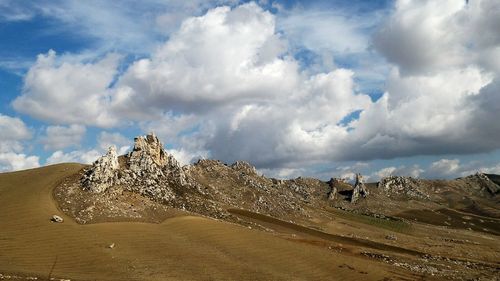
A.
x: 56, y: 218
x: 391, y: 237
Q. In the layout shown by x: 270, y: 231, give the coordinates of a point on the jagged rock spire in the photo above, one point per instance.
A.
x: 332, y: 194
x: 147, y: 169
x: 359, y: 189
x: 102, y: 173
x: 149, y: 145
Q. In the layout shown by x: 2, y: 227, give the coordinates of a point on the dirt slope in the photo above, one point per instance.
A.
x: 184, y: 247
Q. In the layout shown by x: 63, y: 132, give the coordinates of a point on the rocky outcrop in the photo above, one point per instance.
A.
x: 402, y: 186
x: 489, y: 185
x: 359, y: 189
x: 244, y: 167
x: 332, y: 194
x: 212, y: 188
x: 102, y: 174
x: 482, y: 183
x: 148, y: 169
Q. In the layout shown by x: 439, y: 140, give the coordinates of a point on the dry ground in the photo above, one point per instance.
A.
x: 190, y: 247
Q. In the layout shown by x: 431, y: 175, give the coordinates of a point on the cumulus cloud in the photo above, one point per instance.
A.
x: 226, y: 74
x: 410, y: 171
x: 439, y: 97
x: 87, y: 156
x: 420, y: 36
x: 441, y: 169
x: 13, y: 131
x: 11, y: 161
x: 78, y: 156
x: 106, y: 139
x: 225, y: 84
x: 444, y: 167
x: 69, y: 93
x: 60, y: 137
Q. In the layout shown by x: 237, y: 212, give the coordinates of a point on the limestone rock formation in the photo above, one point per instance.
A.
x: 148, y: 169
x: 148, y: 147
x: 487, y: 185
x: 402, y: 186
x: 103, y: 172
x: 359, y: 189
x: 332, y: 194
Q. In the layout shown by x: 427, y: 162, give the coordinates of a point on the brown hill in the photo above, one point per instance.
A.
x: 142, y: 216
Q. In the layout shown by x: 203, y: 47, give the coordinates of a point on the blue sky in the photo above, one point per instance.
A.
x: 317, y: 88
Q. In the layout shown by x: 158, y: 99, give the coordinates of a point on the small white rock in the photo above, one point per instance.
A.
x: 56, y: 218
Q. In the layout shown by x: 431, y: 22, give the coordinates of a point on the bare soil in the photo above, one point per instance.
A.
x: 154, y: 242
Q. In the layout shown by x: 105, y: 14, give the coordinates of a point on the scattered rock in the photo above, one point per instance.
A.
x: 244, y: 167
x: 56, y: 218
x: 391, y: 237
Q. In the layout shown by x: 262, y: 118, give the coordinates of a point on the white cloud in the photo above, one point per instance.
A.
x: 60, y: 137
x: 11, y: 10
x: 186, y: 157
x: 13, y: 129
x: 420, y: 36
x: 70, y: 93
x: 13, y: 132
x: 410, y: 171
x: 439, y: 96
x: 326, y: 29
x: 226, y: 56
x: 226, y: 85
x: 282, y: 173
x: 453, y: 168
x: 78, y: 156
x: 87, y: 156
x: 106, y: 139
x: 445, y: 167
x: 11, y: 161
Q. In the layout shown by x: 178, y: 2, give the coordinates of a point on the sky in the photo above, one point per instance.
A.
x: 296, y: 88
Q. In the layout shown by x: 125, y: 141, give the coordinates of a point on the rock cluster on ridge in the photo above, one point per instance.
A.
x: 207, y: 187
x: 147, y: 169
x: 214, y: 188
x: 403, y: 186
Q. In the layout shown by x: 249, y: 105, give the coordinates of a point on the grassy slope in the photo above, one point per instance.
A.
x: 185, y: 247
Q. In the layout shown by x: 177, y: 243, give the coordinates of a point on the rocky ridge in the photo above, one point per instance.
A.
x: 482, y: 182
x: 212, y: 188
